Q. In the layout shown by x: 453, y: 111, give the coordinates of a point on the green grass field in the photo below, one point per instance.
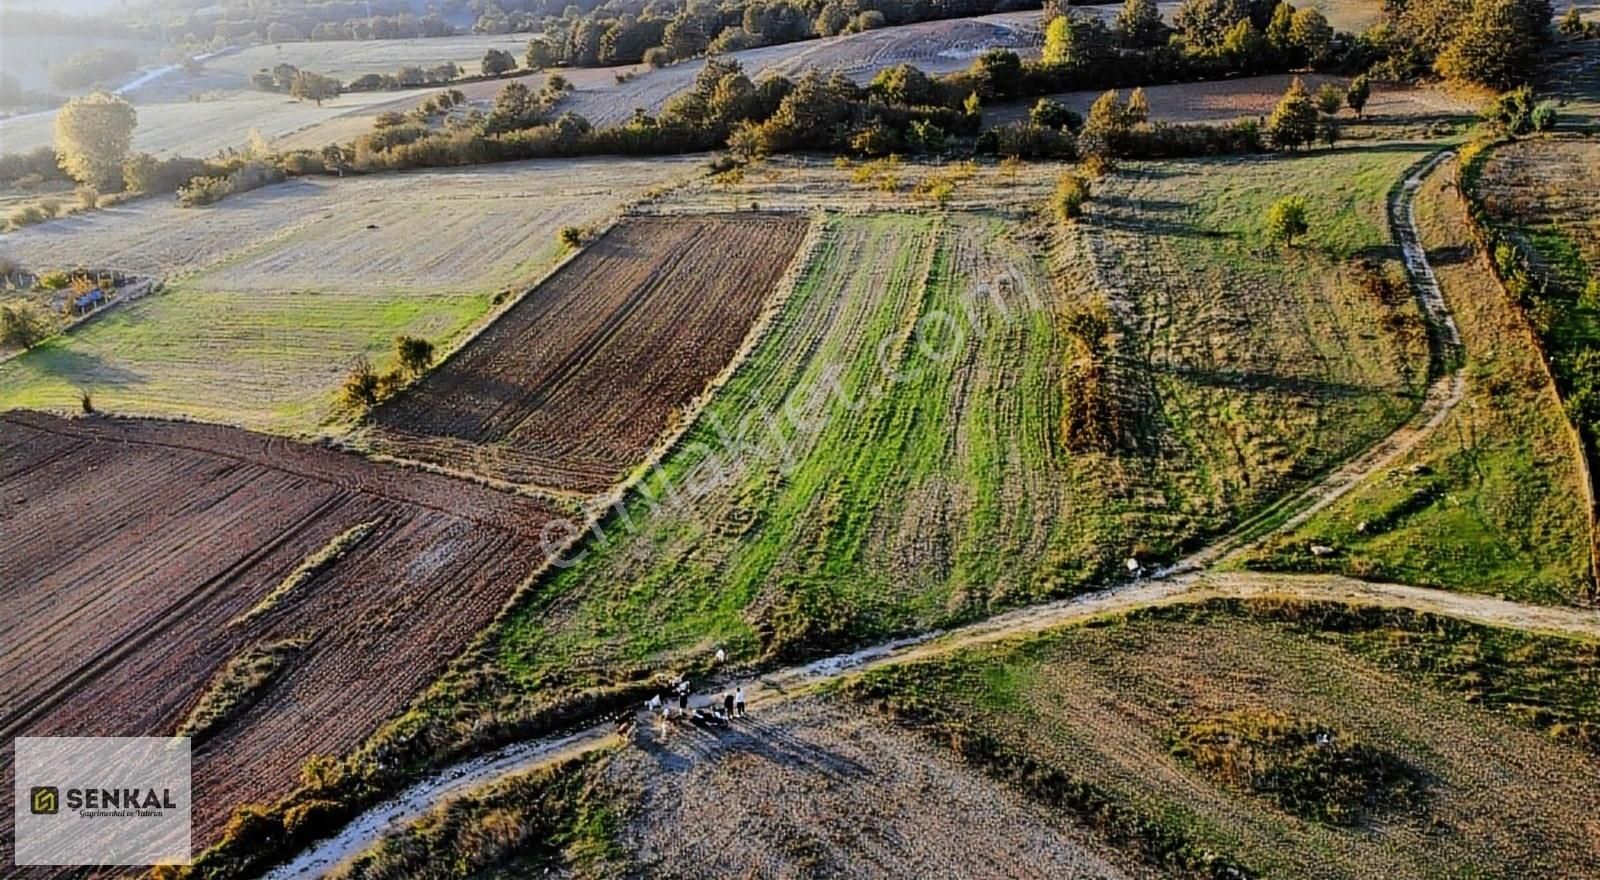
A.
x: 1490, y: 502
x: 946, y: 492
x: 267, y: 360
x: 1491, y: 731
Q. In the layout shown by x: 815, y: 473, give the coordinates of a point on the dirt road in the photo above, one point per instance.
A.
x: 1186, y: 581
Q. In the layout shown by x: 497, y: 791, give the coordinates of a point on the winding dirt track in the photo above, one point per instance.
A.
x: 1186, y: 581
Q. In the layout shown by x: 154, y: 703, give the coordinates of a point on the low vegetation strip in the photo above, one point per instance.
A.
x: 119, y: 604
x: 237, y: 687
x: 575, y: 383
x: 314, y: 565
x: 1537, y: 206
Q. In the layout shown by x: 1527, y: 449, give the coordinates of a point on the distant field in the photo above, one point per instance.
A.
x: 1086, y: 719
x: 221, y: 120
x: 1254, y: 97
x: 347, y: 59
x: 575, y: 382
x: 132, y: 554
x: 1490, y: 503
x: 280, y: 289
x: 934, y: 484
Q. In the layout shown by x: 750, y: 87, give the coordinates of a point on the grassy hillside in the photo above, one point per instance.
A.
x: 1490, y: 502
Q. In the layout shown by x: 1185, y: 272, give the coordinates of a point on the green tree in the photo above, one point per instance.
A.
x: 360, y: 389
x: 414, y: 354
x: 1498, y: 44
x: 1311, y: 35
x: 1052, y: 114
x: 997, y: 73
x: 539, y: 55
x: 903, y: 84
x: 1072, y: 191
x: 1357, y: 94
x: 92, y: 138
x: 23, y: 325
x: 308, y: 86
x: 1138, y: 24
x: 1294, y: 121
x: 1329, y: 99
x: 498, y: 61
x: 1204, y: 23
x: 1286, y: 220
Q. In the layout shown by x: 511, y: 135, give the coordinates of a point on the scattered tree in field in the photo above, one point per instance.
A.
x: 539, y: 55
x: 1076, y: 42
x: 23, y: 325
x: 85, y: 402
x: 1311, y: 36
x: 1544, y: 115
x: 1329, y: 99
x: 498, y: 61
x: 1072, y: 190
x: 309, y: 86
x: 414, y: 354
x: 1138, y: 25
x: 1294, y: 121
x: 1053, y: 114
x: 571, y: 236
x: 1356, y: 95
x: 1204, y: 23
x: 92, y: 138
x: 1286, y: 220
x: 360, y: 391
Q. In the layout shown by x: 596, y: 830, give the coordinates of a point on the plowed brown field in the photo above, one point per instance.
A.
x: 574, y: 384
x: 129, y: 549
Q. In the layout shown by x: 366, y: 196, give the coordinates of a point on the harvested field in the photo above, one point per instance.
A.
x: 890, y: 457
x: 1089, y: 713
x: 216, y: 121
x: 814, y: 787
x: 1491, y: 503
x: 347, y: 59
x: 278, y: 290
x: 1254, y: 97
x: 574, y: 384
x: 127, y: 547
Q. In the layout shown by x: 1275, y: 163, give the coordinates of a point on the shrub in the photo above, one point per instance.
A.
x: 571, y: 236
x: 1072, y: 191
x: 1311, y: 770
x: 360, y: 392
x: 144, y: 173
x: 415, y: 355
x: 1286, y: 220
x: 1054, y: 114
x: 23, y: 325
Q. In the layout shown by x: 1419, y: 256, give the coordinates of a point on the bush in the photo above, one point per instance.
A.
x: 248, y: 176
x: 1286, y: 220
x: 23, y: 325
x: 1072, y: 191
x: 1054, y: 114
x: 1311, y: 770
x: 571, y: 236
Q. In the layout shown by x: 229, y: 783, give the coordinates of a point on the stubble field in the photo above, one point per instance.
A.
x: 276, y: 292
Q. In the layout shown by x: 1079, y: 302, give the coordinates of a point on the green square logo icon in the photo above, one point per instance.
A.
x: 44, y: 800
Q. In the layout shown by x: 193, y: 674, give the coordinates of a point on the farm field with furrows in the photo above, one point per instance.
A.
x: 858, y: 406
x: 1492, y: 502
x: 125, y: 610
x: 274, y: 293
x: 574, y: 384
x: 801, y: 438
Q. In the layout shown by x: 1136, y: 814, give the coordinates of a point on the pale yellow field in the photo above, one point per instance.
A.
x: 272, y: 294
